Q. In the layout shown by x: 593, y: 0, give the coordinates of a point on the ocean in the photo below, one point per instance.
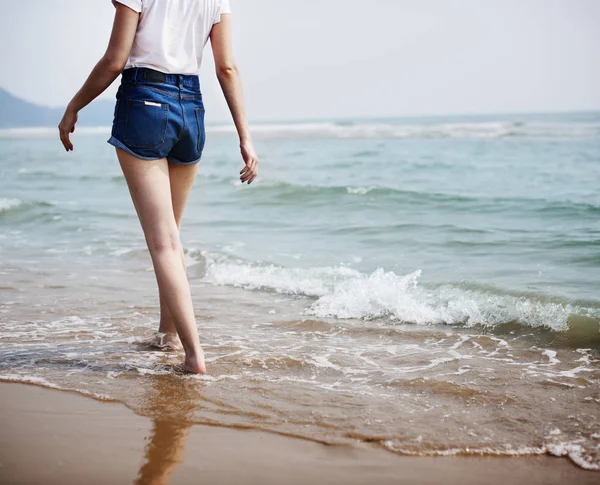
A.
x: 427, y: 285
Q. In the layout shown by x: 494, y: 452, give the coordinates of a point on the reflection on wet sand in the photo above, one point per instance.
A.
x: 170, y: 401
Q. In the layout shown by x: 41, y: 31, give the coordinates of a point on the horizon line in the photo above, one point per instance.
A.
x: 344, y: 118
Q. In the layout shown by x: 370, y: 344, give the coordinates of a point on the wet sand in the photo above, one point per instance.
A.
x: 55, y: 437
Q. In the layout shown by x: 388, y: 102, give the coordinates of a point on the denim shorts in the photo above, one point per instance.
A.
x: 159, y: 116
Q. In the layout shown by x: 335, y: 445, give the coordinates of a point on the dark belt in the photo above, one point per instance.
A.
x: 141, y: 74
x: 146, y: 74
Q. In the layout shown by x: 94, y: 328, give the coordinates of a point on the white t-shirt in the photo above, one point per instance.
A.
x: 171, y: 34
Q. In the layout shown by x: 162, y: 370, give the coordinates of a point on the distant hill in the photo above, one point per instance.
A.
x: 17, y: 113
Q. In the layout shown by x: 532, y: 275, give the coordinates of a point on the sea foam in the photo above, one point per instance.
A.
x: 7, y: 204
x: 391, y: 130
x: 346, y: 293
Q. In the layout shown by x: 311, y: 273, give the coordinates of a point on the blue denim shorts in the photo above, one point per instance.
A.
x: 159, y: 116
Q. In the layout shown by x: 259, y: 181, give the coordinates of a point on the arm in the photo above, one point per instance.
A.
x: 231, y: 84
x: 105, y: 72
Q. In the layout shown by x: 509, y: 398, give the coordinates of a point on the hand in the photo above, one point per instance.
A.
x: 67, y: 126
x: 250, y: 171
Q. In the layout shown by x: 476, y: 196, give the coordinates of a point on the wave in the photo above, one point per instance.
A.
x: 7, y: 204
x: 573, y: 450
x: 50, y: 131
x: 41, y: 382
x: 280, y: 190
x: 314, y: 282
x: 373, y: 129
x: 452, y: 130
x: 58, y: 174
x: 345, y: 293
x: 28, y: 210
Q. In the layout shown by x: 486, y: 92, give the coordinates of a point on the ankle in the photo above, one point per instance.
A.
x: 195, y: 363
x: 167, y: 327
x: 193, y: 353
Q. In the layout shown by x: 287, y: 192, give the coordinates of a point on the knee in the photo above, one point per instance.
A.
x: 167, y: 243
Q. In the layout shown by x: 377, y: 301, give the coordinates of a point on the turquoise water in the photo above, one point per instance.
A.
x: 485, y: 208
x: 433, y: 233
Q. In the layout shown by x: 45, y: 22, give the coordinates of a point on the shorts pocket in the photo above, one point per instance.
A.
x: 146, y: 123
x: 201, y: 130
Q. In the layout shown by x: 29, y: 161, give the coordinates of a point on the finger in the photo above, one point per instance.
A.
x: 62, y: 139
x: 249, y: 169
x: 66, y: 141
x: 246, y: 172
x: 69, y: 144
x: 246, y: 167
x: 253, y: 165
x: 251, y: 176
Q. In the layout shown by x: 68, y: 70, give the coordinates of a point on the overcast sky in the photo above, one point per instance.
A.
x: 311, y: 59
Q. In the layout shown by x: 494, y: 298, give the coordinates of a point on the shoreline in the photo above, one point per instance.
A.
x: 51, y: 436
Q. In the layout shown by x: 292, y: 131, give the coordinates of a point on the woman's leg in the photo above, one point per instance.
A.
x: 150, y: 189
x: 181, y: 179
x: 166, y: 338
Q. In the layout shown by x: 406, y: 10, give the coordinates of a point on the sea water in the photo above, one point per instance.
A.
x: 431, y: 285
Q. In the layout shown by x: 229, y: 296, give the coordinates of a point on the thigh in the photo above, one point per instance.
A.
x: 181, y: 179
x: 150, y: 189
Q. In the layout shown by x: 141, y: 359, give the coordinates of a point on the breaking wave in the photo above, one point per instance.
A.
x: 345, y: 293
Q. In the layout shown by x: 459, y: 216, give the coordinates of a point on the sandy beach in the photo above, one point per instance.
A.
x: 55, y: 437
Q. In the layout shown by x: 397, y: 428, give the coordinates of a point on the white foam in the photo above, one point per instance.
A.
x: 551, y: 354
x: 372, y: 130
x: 508, y: 450
x: 574, y: 451
x: 385, y: 294
x: 296, y: 281
x: 343, y: 292
x: 40, y: 381
x: 7, y: 204
x: 359, y: 190
x: 453, y: 130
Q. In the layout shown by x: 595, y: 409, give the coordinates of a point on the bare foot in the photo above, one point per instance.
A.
x: 192, y: 365
x: 163, y: 341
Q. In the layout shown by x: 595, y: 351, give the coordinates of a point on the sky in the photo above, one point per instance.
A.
x: 318, y: 59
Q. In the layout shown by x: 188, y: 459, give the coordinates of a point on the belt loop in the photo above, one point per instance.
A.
x: 137, y: 70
